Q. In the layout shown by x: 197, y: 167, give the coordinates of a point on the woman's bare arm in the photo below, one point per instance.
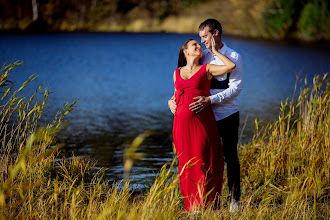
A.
x: 171, y: 103
x: 218, y: 70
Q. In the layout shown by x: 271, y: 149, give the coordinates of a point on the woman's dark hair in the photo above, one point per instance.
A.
x: 213, y: 25
x: 182, y: 61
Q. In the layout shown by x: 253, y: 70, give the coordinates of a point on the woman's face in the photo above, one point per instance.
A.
x: 194, y: 49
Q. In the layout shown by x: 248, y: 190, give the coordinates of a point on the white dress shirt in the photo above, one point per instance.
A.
x: 224, y: 101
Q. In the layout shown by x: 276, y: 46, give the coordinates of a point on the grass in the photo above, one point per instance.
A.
x: 285, y: 169
x: 286, y: 166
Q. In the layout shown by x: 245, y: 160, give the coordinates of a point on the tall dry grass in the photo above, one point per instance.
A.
x: 285, y: 169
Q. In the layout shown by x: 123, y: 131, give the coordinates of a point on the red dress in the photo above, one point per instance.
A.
x: 197, y: 143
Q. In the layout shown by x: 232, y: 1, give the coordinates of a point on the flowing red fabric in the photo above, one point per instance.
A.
x: 197, y: 143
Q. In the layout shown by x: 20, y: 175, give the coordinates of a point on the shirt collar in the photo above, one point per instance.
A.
x: 223, y: 49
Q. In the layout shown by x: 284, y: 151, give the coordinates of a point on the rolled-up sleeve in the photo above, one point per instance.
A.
x: 235, y: 81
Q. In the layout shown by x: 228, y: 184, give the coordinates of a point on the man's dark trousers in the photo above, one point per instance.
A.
x: 228, y: 129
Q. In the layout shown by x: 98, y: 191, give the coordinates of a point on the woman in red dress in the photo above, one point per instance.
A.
x: 195, y: 135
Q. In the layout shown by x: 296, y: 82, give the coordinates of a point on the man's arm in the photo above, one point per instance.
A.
x: 235, y: 83
x: 235, y: 86
x: 172, y: 105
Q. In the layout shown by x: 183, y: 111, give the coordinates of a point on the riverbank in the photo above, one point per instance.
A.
x: 285, y: 169
x: 267, y: 19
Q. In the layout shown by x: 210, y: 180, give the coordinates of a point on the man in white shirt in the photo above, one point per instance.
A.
x: 223, y: 97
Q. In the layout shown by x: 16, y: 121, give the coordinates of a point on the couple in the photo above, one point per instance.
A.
x: 203, y: 138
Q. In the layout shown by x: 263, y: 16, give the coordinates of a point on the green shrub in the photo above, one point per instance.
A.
x: 313, y: 18
x: 279, y: 18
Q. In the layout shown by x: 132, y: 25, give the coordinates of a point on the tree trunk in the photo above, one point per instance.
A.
x: 35, y: 10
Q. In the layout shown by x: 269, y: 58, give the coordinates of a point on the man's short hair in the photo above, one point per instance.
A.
x: 213, y: 25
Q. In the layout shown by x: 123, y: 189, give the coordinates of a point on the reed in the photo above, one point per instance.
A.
x: 285, y: 169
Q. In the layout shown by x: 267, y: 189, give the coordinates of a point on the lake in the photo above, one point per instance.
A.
x: 123, y: 82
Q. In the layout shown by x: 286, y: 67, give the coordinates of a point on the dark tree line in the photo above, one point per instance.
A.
x: 283, y: 18
x: 53, y: 12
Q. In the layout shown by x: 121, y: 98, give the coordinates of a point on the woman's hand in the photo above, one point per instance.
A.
x: 213, y: 45
x: 218, y: 70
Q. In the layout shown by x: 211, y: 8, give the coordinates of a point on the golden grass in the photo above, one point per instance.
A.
x: 238, y: 17
x: 285, y: 169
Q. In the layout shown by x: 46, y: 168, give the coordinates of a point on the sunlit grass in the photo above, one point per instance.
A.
x: 285, y: 169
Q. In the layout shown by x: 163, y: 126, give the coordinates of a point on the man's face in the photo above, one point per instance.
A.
x: 206, y: 36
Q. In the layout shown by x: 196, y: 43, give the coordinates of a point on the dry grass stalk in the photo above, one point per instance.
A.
x: 285, y: 169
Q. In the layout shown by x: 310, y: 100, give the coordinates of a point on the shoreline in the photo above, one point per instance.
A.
x: 292, y: 41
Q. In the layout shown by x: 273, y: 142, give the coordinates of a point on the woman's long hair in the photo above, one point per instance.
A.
x: 182, y: 61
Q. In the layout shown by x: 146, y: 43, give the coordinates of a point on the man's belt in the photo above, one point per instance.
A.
x: 216, y: 84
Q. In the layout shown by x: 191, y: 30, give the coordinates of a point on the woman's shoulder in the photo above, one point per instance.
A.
x: 204, y: 66
x: 203, y: 69
x: 177, y: 71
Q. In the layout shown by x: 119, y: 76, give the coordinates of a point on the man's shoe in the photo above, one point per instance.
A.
x: 234, y: 206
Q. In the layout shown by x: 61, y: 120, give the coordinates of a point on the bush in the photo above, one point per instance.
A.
x: 313, y: 18
x: 285, y: 18
x: 280, y: 17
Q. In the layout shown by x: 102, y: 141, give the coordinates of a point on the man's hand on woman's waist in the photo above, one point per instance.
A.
x: 200, y: 103
x: 172, y: 104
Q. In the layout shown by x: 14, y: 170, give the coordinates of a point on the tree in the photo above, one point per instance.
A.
x: 35, y: 9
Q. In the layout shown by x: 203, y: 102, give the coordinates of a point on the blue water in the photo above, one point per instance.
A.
x: 123, y: 82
